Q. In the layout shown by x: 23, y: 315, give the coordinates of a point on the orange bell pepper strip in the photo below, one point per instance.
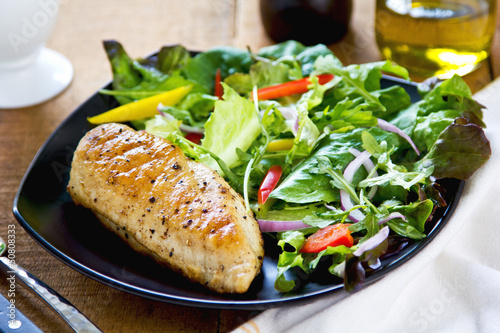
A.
x: 290, y: 88
x: 333, y: 235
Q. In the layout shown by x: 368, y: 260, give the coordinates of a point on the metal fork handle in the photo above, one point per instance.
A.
x: 78, y: 322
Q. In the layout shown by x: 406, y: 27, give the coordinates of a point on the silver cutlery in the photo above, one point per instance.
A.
x: 78, y: 322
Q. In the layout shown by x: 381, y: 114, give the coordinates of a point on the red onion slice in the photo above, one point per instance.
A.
x: 351, y: 169
x: 292, y: 116
x: 164, y: 114
x: 191, y: 129
x: 391, y: 216
x: 372, y: 242
x: 329, y: 207
x: 345, y: 199
x: 277, y: 226
x: 295, y: 128
x: 386, y: 126
x: 288, y: 112
x: 346, y: 204
x: 369, y: 166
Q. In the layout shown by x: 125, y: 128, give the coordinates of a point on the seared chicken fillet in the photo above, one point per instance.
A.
x: 180, y: 212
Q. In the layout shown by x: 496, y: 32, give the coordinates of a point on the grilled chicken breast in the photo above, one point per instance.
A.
x: 180, y: 212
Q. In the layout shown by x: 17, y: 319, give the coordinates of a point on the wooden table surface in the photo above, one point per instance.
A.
x: 142, y: 27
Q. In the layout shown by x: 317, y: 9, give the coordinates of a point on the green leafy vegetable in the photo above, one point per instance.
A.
x: 133, y: 80
x: 360, y: 80
x: 202, y: 67
x: 160, y: 126
x: 302, y: 186
x: 458, y: 151
x: 172, y: 59
x: 233, y: 125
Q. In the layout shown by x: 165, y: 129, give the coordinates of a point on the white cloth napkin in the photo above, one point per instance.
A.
x: 452, y: 285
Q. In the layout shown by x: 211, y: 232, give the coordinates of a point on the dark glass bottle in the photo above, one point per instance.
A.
x: 307, y: 21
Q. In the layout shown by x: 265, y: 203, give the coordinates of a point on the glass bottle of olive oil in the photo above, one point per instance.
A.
x: 434, y: 37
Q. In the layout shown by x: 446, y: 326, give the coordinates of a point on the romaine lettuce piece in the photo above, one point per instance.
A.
x: 233, y: 125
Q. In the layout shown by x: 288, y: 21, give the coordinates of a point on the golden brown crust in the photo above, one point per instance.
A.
x: 178, y: 211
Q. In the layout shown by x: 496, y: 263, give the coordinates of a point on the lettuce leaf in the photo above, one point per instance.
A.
x: 359, y: 80
x: 448, y: 127
x: 124, y: 75
x: 161, y: 126
x: 305, y: 261
x: 264, y: 73
x: 416, y: 214
x: 427, y: 129
x: 288, y: 48
x: 172, y: 58
x: 448, y: 101
x: 344, y: 116
x: 136, y: 79
x: 233, y: 125
x: 203, y: 66
x: 194, y: 109
x: 303, y: 186
x: 305, y: 55
x: 458, y: 152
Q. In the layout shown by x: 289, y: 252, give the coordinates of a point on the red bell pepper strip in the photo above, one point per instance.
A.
x: 194, y: 137
x: 333, y: 235
x: 269, y: 183
x: 290, y: 88
x: 218, y: 86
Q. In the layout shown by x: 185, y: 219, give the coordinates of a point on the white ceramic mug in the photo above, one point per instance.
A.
x: 27, y: 69
x: 25, y: 25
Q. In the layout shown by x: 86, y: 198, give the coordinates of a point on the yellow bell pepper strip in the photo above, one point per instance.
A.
x: 143, y: 108
x: 280, y: 145
x: 290, y: 88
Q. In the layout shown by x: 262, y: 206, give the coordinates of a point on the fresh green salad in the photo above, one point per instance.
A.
x: 336, y: 169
